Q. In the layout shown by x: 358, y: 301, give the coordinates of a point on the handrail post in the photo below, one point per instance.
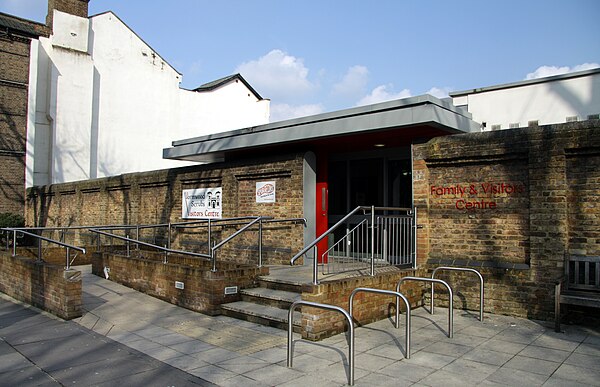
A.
x: 209, y: 235
x: 214, y: 259
x: 137, y: 236
x: 68, y: 259
x: 372, y: 241
x: 414, y: 249
x: 39, y: 258
x: 169, y: 235
x: 315, y: 266
x: 14, y: 243
x: 260, y: 231
x: 128, y: 248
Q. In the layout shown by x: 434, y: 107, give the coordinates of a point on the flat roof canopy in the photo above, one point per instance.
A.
x: 396, y: 121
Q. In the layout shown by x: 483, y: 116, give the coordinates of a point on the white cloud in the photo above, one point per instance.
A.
x: 383, y: 93
x: 547, y: 71
x: 439, y: 93
x: 278, y: 76
x: 353, y: 83
x: 283, y: 111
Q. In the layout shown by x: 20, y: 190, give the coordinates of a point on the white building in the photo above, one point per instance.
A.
x: 102, y: 102
x: 550, y: 100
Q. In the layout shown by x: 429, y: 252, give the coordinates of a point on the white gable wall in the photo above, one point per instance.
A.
x: 230, y: 106
x: 105, y: 104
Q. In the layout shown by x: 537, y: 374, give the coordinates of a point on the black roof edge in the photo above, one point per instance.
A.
x: 23, y: 26
x: 222, y: 81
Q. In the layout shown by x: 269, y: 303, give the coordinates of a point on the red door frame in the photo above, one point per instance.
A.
x: 322, y: 205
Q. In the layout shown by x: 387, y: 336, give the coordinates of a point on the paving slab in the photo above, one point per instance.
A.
x: 128, y: 338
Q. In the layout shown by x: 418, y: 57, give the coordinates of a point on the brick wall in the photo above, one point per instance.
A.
x: 45, y: 286
x: 511, y: 203
x: 368, y: 307
x: 204, y: 290
x: 156, y: 197
x: 14, y: 75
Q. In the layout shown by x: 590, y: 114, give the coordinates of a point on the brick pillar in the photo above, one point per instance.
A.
x: 74, y: 7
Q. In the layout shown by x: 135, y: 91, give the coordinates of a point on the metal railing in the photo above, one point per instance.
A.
x: 465, y: 269
x: 40, y: 238
x: 109, y: 231
x: 160, y: 248
x: 433, y: 282
x: 398, y: 296
x: 290, y: 335
x: 378, y: 239
x: 213, y: 248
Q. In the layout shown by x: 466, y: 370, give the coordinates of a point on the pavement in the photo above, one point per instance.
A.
x: 127, y: 338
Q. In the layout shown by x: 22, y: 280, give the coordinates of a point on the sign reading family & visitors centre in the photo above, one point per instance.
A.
x: 202, y: 203
x: 265, y: 192
x: 477, y: 196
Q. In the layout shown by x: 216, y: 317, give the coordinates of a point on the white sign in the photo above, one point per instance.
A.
x: 265, y: 192
x: 201, y: 203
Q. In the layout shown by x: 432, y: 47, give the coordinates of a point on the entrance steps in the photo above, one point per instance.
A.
x: 267, y: 304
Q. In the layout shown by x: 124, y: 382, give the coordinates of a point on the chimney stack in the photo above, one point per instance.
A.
x: 74, y: 7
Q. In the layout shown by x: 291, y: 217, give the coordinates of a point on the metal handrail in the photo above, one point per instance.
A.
x: 214, y: 249
x: 466, y: 269
x: 40, y: 239
x: 450, y: 296
x: 161, y: 248
x: 343, y: 241
x: 328, y: 307
x: 398, y: 296
x: 334, y: 227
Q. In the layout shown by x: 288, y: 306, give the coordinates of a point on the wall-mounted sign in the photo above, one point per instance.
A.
x: 202, y: 203
x: 265, y: 192
x: 478, y: 196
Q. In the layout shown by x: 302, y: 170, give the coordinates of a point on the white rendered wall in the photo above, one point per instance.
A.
x: 547, y: 102
x: 106, y: 104
x: 231, y: 106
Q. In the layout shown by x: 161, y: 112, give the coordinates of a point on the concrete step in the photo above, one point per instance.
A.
x: 262, y: 314
x: 279, y: 284
x: 271, y: 297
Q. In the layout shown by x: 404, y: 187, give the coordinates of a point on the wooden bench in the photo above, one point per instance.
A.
x: 580, y: 285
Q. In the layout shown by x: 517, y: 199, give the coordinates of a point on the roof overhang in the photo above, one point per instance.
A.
x: 397, y: 116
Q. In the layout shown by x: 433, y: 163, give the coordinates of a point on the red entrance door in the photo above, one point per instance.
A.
x: 322, y: 220
x: 322, y: 206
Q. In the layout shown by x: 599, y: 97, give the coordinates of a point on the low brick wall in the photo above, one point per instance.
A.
x: 48, y: 287
x: 318, y: 324
x: 204, y: 291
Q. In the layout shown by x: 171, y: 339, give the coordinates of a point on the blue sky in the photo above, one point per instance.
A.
x: 316, y: 56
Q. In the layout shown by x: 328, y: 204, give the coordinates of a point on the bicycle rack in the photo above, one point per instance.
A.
x: 466, y: 270
x: 398, y: 296
x: 328, y: 307
x: 433, y: 281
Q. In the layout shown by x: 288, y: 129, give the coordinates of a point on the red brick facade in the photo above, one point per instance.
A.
x: 156, y: 197
x: 513, y: 204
